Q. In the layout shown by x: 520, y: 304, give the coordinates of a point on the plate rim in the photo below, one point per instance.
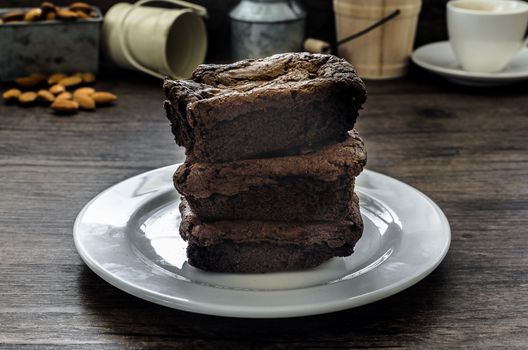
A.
x: 461, y: 74
x: 243, y: 311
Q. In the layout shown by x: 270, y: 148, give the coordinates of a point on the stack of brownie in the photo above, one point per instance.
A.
x: 268, y: 183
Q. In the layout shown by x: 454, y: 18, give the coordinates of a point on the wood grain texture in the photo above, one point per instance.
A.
x: 466, y: 149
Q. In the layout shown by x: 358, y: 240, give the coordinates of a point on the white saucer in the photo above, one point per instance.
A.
x: 439, y: 58
x: 128, y: 235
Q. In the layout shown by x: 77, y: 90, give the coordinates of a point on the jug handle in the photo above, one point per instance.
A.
x: 313, y: 45
x: 200, y: 10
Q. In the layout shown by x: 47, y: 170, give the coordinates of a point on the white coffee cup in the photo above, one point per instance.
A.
x: 486, y: 34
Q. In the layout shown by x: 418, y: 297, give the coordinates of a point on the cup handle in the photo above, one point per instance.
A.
x: 200, y: 10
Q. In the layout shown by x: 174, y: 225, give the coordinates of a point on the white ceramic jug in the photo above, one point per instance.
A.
x: 158, y: 41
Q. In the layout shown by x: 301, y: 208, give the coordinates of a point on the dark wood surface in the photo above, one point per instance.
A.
x: 467, y: 149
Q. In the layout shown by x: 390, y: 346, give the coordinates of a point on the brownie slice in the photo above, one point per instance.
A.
x: 284, y: 104
x: 310, y: 187
x: 265, y: 246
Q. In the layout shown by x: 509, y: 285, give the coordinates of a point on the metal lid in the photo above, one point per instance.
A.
x: 266, y: 11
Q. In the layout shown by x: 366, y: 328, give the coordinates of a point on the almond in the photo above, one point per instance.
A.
x: 83, y: 91
x: 11, y: 95
x: 103, y: 98
x: 64, y: 96
x: 70, y: 81
x: 88, y: 78
x: 27, y: 98
x: 57, y: 89
x: 31, y: 80
x: 85, y: 102
x: 66, y: 14
x: 82, y: 15
x: 13, y: 16
x: 45, y: 96
x: 50, y: 16
x: 81, y: 6
x: 65, y: 106
x: 33, y: 15
x: 55, y: 78
x: 47, y: 7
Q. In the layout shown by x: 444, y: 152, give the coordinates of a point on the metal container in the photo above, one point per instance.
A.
x: 157, y: 41
x: 49, y: 46
x: 261, y: 28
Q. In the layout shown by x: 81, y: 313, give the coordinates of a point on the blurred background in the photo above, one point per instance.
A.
x: 319, y: 21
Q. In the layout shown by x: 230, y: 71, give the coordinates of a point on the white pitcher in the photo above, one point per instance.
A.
x: 158, y: 41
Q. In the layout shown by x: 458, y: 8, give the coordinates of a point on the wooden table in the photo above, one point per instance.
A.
x: 465, y: 148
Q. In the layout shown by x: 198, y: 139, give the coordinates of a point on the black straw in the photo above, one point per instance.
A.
x: 368, y: 29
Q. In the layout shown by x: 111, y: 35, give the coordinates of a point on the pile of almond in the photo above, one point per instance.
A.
x: 48, y: 12
x: 66, y: 94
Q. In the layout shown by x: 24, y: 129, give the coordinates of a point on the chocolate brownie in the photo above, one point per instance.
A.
x: 265, y: 246
x: 284, y: 104
x: 314, y: 186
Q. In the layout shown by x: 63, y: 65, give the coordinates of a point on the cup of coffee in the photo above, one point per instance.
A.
x: 486, y: 34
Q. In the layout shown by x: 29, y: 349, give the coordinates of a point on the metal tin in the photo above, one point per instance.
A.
x: 260, y: 28
x: 49, y: 46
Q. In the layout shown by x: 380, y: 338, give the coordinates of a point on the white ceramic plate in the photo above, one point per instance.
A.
x: 128, y: 235
x: 439, y: 58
